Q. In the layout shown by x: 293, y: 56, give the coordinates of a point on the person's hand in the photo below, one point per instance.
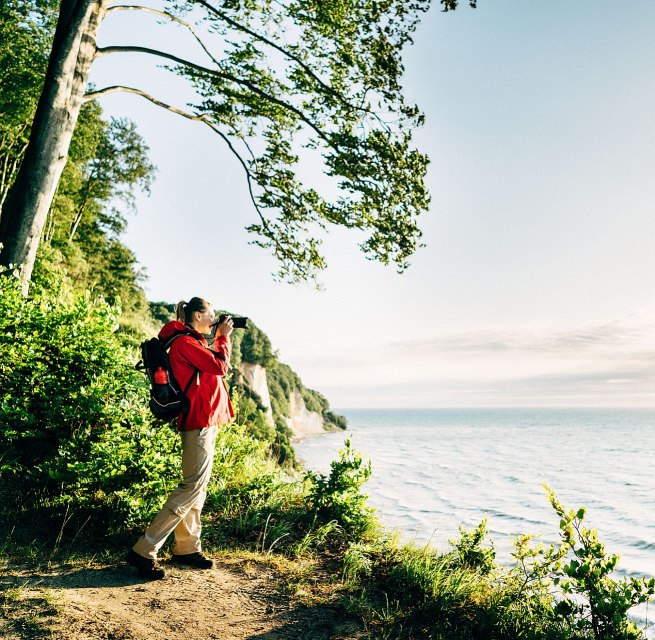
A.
x: 225, y: 327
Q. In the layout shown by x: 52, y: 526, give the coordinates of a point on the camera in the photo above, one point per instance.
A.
x: 239, y: 323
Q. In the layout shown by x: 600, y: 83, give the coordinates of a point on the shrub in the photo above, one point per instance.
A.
x: 75, y: 431
x: 469, y: 552
x: 338, y: 496
x: 590, y: 595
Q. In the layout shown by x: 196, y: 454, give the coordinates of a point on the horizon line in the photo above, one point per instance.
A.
x: 503, y: 407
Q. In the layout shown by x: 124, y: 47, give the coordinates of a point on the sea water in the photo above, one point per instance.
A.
x: 436, y: 469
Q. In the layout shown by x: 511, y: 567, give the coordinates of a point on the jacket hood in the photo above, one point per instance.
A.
x: 175, y: 326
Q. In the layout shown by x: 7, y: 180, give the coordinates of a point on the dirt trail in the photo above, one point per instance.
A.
x: 228, y: 602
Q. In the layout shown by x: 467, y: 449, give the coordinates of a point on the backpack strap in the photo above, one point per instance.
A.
x: 179, y: 334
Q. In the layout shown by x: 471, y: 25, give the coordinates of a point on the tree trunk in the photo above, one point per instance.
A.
x: 26, y: 208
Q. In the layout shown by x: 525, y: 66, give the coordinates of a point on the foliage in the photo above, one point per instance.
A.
x: 469, y: 552
x: 75, y: 432
x: 451, y: 5
x: 407, y: 591
x: 255, y: 503
x: 338, y: 495
x: 251, y: 500
x: 256, y: 347
x: 26, y: 28
x: 303, y: 79
x: 321, y: 83
x: 162, y: 312
x: 107, y: 163
x: 597, y: 602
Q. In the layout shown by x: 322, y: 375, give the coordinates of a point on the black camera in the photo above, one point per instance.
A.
x: 239, y: 323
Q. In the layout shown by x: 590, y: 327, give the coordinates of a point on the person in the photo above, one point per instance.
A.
x: 210, y: 407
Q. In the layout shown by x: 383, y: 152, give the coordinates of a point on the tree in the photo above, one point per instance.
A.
x: 25, y: 39
x: 107, y: 162
x: 306, y: 76
x: 27, y: 203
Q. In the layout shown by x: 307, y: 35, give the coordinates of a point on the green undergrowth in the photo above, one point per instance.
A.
x: 84, y: 467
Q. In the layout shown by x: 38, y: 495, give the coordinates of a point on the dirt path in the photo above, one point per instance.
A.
x: 229, y: 602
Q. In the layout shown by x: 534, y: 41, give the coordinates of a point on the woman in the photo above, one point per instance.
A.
x: 210, y: 407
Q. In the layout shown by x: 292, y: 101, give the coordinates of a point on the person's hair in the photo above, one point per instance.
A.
x: 185, y: 310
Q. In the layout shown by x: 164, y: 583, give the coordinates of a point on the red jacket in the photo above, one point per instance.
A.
x: 208, y: 395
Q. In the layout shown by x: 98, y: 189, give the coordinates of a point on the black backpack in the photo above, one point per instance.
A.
x: 167, y: 400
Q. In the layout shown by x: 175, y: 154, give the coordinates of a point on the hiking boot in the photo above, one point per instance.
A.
x: 146, y: 568
x: 196, y: 560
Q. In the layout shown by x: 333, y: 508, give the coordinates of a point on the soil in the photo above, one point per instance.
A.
x: 236, y: 600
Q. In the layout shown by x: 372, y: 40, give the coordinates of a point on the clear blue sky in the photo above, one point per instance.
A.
x: 536, y: 287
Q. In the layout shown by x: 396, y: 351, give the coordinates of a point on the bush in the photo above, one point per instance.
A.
x: 254, y: 502
x: 563, y: 591
x: 583, y: 569
x: 75, y: 431
x: 338, y: 496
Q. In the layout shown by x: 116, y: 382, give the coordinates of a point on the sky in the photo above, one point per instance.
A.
x: 536, y: 285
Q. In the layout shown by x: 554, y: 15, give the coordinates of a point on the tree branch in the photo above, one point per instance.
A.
x: 164, y: 14
x: 101, y: 51
x: 285, y: 52
x: 211, y: 125
x: 257, y: 36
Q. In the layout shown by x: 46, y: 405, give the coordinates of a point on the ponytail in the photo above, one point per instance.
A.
x: 184, y: 310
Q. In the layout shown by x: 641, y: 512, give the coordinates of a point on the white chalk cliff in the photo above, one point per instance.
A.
x: 302, y: 422
x: 255, y: 376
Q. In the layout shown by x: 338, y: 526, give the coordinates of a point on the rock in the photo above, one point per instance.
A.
x: 255, y: 376
x: 302, y: 421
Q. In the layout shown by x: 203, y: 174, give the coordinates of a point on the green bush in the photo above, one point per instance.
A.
x: 469, y: 552
x: 75, y: 431
x: 582, y: 569
x: 254, y: 502
x: 562, y: 591
x: 338, y: 496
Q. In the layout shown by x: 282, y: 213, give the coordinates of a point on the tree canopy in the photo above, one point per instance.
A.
x: 283, y: 84
x: 311, y: 80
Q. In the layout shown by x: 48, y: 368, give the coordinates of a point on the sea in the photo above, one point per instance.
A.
x: 434, y: 470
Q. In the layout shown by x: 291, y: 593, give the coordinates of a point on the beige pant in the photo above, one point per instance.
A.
x: 181, y: 511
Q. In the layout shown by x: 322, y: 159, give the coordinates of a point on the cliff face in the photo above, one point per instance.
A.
x: 301, y: 420
x: 255, y: 376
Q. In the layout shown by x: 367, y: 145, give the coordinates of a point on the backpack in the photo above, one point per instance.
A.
x: 167, y: 400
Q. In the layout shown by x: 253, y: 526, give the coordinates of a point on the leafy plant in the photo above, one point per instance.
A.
x: 469, y: 552
x: 590, y: 595
x: 338, y: 496
x: 75, y: 431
